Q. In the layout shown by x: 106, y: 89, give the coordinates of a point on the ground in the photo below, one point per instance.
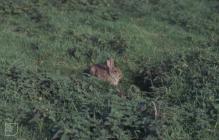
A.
x: 167, y: 50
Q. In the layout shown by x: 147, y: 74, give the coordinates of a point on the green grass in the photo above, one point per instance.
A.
x: 167, y: 50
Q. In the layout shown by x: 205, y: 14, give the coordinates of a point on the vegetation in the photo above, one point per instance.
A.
x: 167, y: 50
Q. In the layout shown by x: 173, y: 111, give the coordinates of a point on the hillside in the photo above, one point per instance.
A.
x: 168, y: 52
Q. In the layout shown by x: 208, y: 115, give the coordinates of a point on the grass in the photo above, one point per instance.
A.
x: 167, y: 50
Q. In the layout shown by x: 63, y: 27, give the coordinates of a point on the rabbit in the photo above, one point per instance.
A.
x: 107, y: 72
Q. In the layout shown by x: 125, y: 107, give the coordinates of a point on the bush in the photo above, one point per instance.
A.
x: 189, y: 83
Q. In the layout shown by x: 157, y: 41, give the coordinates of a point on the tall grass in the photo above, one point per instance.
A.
x: 167, y: 50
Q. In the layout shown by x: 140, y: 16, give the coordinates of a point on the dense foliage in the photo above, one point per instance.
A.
x: 167, y: 50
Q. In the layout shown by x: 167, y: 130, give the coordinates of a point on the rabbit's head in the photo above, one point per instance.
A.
x: 115, y: 74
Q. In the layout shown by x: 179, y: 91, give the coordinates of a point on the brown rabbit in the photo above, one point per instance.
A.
x: 107, y: 72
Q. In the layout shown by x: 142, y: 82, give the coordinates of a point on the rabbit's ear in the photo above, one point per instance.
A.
x: 110, y: 63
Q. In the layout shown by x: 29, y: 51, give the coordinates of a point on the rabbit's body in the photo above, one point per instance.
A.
x: 107, y: 72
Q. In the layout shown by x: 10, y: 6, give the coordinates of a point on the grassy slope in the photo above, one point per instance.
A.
x: 44, y: 89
